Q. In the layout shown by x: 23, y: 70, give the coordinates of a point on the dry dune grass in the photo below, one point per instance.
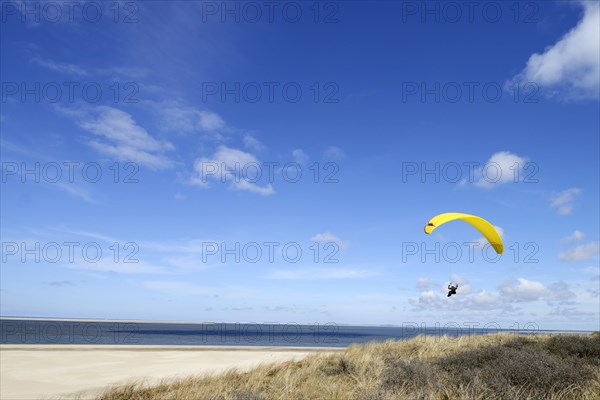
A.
x: 500, y: 366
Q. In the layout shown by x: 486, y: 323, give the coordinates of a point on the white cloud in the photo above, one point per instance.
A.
x: 571, y: 67
x: 485, y: 299
x: 108, y: 265
x: 72, y: 69
x: 423, y: 284
x: 328, y: 237
x: 462, y: 283
x: 320, y: 273
x: 233, y: 166
x: 580, y: 253
x: 209, y: 121
x: 594, y: 270
x: 94, y: 235
x: 191, y: 260
x: 523, y: 290
x: 563, y: 201
x: 436, y: 300
x: 63, y: 68
x: 574, y: 237
x: 243, y: 184
x: 121, y: 138
x: 177, y: 287
x: 126, y: 72
x: 253, y: 143
x: 334, y: 154
x: 176, y: 252
x: 428, y: 297
x: 594, y: 292
x: 571, y: 313
x: 177, y: 117
x: 76, y: 190
x: 502, y: 167
x: 299, y: 156
x: 516, y: 291
x: 559, y: 292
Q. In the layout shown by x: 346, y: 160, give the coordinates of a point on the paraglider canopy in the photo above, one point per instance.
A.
x: 483, y: 226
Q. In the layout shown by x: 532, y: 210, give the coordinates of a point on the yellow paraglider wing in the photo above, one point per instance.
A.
x: 485, y: 228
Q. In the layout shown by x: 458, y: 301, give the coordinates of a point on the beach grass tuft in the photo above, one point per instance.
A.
x: 498, y: 366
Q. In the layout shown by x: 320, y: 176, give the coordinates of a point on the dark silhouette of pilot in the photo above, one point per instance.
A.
x: 452, y: 289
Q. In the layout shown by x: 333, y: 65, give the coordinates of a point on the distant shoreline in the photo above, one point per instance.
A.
x: 140, y: 321
x: 152, y: 347
x: 147, y: 321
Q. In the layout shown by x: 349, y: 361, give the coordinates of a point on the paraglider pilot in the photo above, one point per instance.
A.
x: 452, y: 289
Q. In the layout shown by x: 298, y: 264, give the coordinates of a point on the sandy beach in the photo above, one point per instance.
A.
x: 53, y: 371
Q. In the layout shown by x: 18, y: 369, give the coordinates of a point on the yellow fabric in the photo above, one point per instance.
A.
x: 485, y: 228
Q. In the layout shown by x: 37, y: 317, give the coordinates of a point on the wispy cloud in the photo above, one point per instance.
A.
x: 240, y: 308
x: 571, y: 67
x: 502, y: 167
x: 146, y: 256
x: 594, y: 271
x: 511, y: 292
x: 129, y: 72
x: 229, y: 165
x: 320, y: 273
x: 75, y: 190
x: 299, y: 156
x: 119, y: 136
x: 580, y: 253
x: 73, y: 69
x: 64, y: 68
x: 108, y: 265
x: 61, y: 283
x: 570, y: 313
x: 563, y: 201
x: 181, y: 118
x: 253, y: 143
x: 423, y: 284
x: 334, y: 153
x: 574, y: 237
x: 328, y: 237
x: 177, y: 288
x: 523, y: 290
x: 93, y: 235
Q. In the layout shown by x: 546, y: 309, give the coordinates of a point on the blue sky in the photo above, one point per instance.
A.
x: 391, y: 112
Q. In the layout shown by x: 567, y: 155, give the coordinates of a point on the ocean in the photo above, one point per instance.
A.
x: 57, y: 332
